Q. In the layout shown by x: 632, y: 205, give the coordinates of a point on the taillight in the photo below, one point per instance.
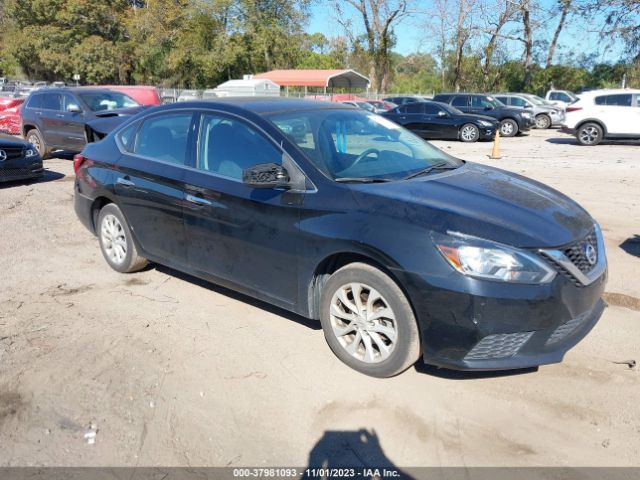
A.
x: 78, y: 160
x: 573, y: 109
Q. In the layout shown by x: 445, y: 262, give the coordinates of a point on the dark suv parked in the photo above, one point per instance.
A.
x: 512, y: 120
x: 343, y: 216
x: 69, y: 118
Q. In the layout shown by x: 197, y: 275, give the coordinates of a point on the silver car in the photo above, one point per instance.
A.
x: 546, y: 116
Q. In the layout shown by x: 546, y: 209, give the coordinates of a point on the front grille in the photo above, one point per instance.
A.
x: 18, y: 173
x: 499, y: 345
x: 13, y: 152
x: 566, y: 328
x: 576, y: 253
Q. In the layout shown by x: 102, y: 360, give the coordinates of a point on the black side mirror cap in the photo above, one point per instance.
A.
x: 266, y: 175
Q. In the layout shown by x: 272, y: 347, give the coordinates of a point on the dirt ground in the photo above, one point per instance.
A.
x: 162, y: 369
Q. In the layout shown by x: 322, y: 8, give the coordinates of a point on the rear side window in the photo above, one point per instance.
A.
x: 621, y: 100
x: 228, y: 146
x: 127, y: 136
x: 517, y: 101
x: 35, y: 101
x: 414, y: 107
x: 460, y: 102
x: 507, y: 100
x: 164, y: 138
x: 431, y: 109
x: 52, y: 101
x: 561, y: 96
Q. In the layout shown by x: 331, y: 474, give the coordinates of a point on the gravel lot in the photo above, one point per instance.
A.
x: 168, y: 370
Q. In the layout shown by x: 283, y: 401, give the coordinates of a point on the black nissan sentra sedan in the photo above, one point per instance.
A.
x: 340, y: 215
x: 19, y: 160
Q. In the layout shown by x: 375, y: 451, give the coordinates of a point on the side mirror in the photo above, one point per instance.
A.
x: 489, y: 107
x: 73, y: 108
x: 442, y: 113
x: 266, y: 175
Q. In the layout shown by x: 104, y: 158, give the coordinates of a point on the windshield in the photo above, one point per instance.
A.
x: 493, y: 102
x: 449, y: 108
x: 100, y: 101
x: 536, y: 100
x: 355, y: 144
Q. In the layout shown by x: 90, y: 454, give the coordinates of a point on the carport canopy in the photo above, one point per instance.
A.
x: 317, y: 78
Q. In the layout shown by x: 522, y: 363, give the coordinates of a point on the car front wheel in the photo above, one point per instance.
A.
x: 469, y: 133
x: 508, y: 128
x: 34, y: 137
x: 116, y: 241
x: 589, y: 134
x: 368, y: 322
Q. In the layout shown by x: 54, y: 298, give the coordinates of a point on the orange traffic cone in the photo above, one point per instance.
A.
x: 495, y: 151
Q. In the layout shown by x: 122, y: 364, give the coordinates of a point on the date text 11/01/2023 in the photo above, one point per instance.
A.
x: 316, y: 472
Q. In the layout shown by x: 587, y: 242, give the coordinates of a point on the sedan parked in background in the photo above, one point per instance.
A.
x: 397, y: 248
x: 19, y: 160
x: 435, y: 120
x: 512, y: 120
x: 604, y: 114
x: 402, y: 99
x: 69, y: 118
x: 545, y: 116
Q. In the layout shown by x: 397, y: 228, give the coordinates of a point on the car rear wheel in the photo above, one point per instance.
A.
x: 508, y: 128
x: 116, y: 241
x: 543, y: 121
x: 34, y: 137
x: 368, y: 322
x: 469, y: 133
x: 589, y: 134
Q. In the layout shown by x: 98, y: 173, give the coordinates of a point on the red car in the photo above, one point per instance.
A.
x: 144, y: 95
x: 10, y: 116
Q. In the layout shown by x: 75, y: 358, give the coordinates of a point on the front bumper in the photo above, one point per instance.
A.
x: 488, y: 133
x: 480, y: 325
x: 20, y: 169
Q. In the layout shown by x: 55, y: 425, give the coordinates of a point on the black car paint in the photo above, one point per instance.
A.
x: 64, y: 130
x: 277, y: 245
x: 16, y: 166
x: 500, y: 114
x: 432, y: 126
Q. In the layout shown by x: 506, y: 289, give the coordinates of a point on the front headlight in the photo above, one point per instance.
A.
x: 488, y: 260
x: 484, y: 123
x: 526, y: 114
x: 30, y: 152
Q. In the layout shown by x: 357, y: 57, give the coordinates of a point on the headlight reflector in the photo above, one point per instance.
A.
x: 484, y: 123
x: 30, y: 152
x: 488, y: 260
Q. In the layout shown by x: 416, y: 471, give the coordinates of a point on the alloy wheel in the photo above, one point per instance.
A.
x: 506, y: 129
x: 363, y: 322
x: 469, y: 133
x: 589, y: 135
x: 114, y: 240
x: 35, y: 141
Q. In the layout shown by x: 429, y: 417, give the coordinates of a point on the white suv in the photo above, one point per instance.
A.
x: 604, y: 114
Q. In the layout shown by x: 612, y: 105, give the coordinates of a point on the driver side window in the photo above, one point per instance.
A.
x: 227, y: 146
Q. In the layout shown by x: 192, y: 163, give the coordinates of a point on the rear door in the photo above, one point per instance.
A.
x: 242, y: 235
x: 72, y: 128
x: 618, y: 113
x: 150, y: 184
x: 440, y: 125
x: 462, y: 102
x: 51, y: 119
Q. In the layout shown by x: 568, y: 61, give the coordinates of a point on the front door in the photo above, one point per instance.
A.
x: 242, y: 235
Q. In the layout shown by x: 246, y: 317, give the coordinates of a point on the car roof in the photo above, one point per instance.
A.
x: 74, y: 90
x: 259, y: 105
x: 610, y: 91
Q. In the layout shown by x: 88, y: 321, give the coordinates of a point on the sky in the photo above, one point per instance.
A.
x: 412, y: 36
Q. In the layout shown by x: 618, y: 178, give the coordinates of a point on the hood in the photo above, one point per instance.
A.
x: 119, y: 112
x: 9, y: 141
x: 484, y: 202
x: 107, y: 121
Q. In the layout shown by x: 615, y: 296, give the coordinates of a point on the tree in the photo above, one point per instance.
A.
x: 379, y: 17
x: 565, y: 7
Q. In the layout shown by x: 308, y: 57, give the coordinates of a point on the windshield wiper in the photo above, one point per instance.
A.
x: 437, y: 166
x: 361, y: 180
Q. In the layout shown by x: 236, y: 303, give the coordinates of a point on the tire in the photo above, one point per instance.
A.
x: 37, y: 140
x: 116, y: 241
x: 469, y: 133
x: 508, y: 128
x: 589, y: 134
x: 543, y: 121
x: 380, y: 347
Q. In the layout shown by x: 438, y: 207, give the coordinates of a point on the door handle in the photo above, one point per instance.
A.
x: 60, y: 115
x: 125, y: 182
x: 197, y: 200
